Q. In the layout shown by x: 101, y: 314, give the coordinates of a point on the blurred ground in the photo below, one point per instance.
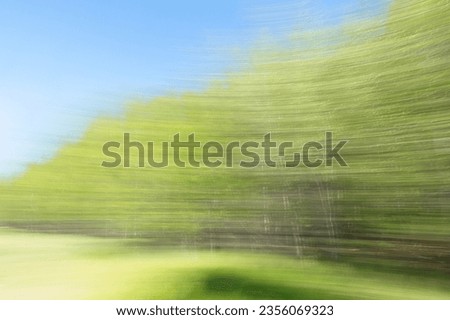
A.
x: 36, y: 266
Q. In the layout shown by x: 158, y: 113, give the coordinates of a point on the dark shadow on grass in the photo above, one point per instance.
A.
x: 224, y: 284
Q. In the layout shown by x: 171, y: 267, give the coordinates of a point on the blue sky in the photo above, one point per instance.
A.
x: 64, y: 62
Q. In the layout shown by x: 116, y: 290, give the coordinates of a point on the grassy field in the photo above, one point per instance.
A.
x: 37, y: 266
x: 375, y: 229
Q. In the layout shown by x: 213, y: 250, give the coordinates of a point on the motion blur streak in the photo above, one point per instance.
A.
x: 328, y: 232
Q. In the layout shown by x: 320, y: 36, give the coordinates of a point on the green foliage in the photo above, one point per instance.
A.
x: 384, y: 86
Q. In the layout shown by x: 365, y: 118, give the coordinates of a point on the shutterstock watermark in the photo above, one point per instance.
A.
x: 249, y: 154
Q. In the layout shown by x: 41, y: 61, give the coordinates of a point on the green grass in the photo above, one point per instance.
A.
x: 382, y: 84
x: 37, y: 266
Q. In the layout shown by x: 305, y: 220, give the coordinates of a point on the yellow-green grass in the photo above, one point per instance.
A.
x: 44, y: 266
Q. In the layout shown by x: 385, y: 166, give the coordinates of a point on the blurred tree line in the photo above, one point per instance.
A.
x: 382, y: 84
